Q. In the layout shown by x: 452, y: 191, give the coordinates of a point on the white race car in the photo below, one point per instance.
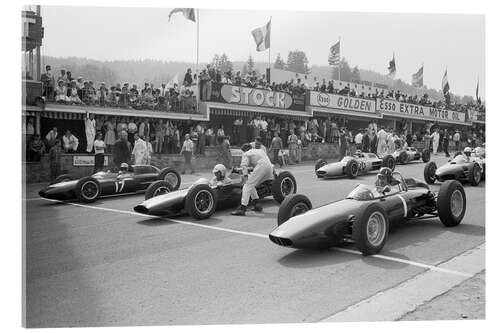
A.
x: 352, y: 166
x: 408, y: 154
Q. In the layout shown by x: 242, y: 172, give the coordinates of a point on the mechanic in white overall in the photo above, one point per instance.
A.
x: 262, y: 171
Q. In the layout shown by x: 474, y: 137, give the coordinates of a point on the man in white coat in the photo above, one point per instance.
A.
x: 90, y: 130
x: 435, y: 141
x: 262, y: 171
x: 381, y: 141
x: 140, y: 150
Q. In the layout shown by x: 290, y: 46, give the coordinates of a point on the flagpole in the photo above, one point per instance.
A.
x: 339, y: 59
x: 197, y: 39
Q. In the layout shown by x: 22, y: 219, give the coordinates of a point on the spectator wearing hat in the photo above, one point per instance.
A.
x: 49, y: 83
x: 187, y: 152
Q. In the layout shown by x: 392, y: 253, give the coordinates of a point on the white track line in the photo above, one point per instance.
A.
x: 246, y: 233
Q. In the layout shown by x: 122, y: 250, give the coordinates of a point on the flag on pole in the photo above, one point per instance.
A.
x: 444, y: 84
x: 187, y: 12
x: 478, y: 100
x: 262, y: 37
x: 392, y: 67
x: 417, y: 79
x: 334, y: 56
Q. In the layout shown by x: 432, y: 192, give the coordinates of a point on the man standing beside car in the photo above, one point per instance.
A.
x: 121, y: 150
x: 262, y: 170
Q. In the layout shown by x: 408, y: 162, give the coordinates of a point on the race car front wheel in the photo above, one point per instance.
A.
x: 426, y: 155
x: 88, y: 189
x: 172, y: 176
x: 293, y: 205
x: 157, y: 188
x: 201, y: 201
x: 475, y: 175
x: 389, y: 162
x: 283, y: 185
x: 351, y: 169
x: 430, y: 173
x: 451, y: 203
x: 370, y: 231
x: 319, y: 164
x: 403, y: 157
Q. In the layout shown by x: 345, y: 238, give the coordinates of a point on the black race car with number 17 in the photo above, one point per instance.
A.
x: 130, y: 179
x: 365, y: 215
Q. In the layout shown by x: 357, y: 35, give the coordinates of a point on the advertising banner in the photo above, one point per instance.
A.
x: 258, y: 97
x: 341, y: 102
x: 414, y: 111
x: 87, y: 160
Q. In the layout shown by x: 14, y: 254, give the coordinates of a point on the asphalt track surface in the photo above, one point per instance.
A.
x: 104, y: 265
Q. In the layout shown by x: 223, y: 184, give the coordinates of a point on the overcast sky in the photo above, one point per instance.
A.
x: 367, y: 40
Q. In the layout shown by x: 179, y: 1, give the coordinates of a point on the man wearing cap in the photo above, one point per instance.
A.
x: 262, y: 171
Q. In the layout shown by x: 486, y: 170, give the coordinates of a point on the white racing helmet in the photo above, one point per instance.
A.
x: 467, y: 151
x: 219, y: 171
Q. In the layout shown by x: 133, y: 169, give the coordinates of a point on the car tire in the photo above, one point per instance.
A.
x: 320, y: 163
x: 172, y: 176
x: 430, y: 173
x: 61, y: 179
x: 389, y: 162
x: 352, y: 169
x: 451, y: 203
x: 426, y: 155
x: 201, y: 201
x: 403, y: 157
x: 283, y: 185
x: 293, y: 205
x: 157, y: 188
x: 369, y: 232
x: 88, y: 189
x: 475, y: 175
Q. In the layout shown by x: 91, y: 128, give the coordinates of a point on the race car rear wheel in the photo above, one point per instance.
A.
x: 61, y: 179
x: 475, y: 175
x: 88, y: 189
x: 451, y: 203
x: 430, y: 172
x: 320, y: 163
x: 426, y: 155
x: 293, y: 205
x: 351, y: 169
x: 403, y: 157
x: 157, y: 188
x: 389, y: 162
x: 172, y: 176
x: 283, y: 185
x: 201, y: 201
x: 370, y: 231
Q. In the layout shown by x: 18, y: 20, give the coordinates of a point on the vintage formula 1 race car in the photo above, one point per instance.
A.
x: 91, y: 188
x: 409, y: 154
x: 202, y: 198
x: 352, y: 166
x: 365, y: 215
x: 462, y: 168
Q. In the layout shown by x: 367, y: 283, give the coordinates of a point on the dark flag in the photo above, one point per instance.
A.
x: 417, y: 79
x: 477, y: 94
x: 392, y: 67
x: 334, y: 56
x: 187, y: 12
x: 445, y: 85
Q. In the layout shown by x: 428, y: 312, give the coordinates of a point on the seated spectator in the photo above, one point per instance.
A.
x: 73, y: 94
x: 70, y: 142
x: 61, y: 93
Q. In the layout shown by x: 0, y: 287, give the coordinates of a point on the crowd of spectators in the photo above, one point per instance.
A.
x: 66, y: 89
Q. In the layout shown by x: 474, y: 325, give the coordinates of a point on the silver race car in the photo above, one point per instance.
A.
x: 408, y: 154
x: 351, y: 166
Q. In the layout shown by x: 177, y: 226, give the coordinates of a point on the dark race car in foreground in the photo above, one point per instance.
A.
x: 365, y: 215
x: 352, y: 166
x: 409, y: 154
x: 91, y: 188
x: 462, y: 168
x: 202, y: 198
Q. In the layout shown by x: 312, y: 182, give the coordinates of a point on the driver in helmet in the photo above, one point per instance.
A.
x: 124, y: 170
x: 385, y: 180
x: 220, y: 177
x: 467, y: 153
x: 358, y: 153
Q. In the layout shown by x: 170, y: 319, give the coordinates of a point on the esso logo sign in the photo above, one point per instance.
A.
x: 323, y: 99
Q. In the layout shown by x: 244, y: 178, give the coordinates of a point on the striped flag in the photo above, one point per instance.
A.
x: 444, y: 83
x: 187, y: 12
x: 334, y: 56
x: 262, y: 37
x: 417, y: 79
x: 392, y: 67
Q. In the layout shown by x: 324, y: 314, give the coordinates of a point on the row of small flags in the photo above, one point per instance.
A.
x: 262, y: 38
